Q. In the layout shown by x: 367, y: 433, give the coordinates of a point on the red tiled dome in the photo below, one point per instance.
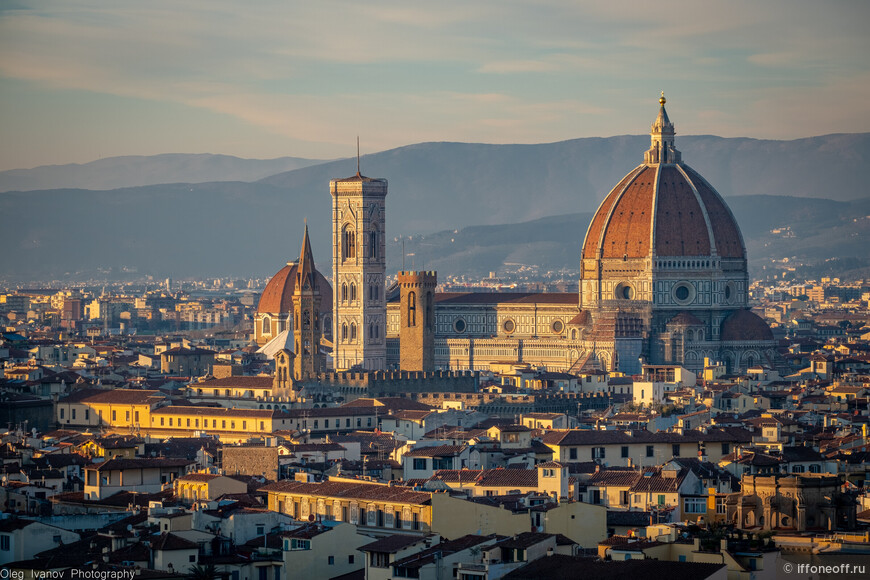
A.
x: 663, y: 208
x: 745, y: 325
x: 278, y: 295
x: 666, y: 208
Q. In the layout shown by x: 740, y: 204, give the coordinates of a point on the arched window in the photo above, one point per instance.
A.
x: 267, y: 325
x: 306, y: 320
x: 352, y: 291
x: 344, y: 291
x: 573, y: 334
x: 377, y: 331
x: 348, y: 242
x: 353, y: 331
x: 373, y: 242
x: 344, y: 331
x: 371, y: 330
x: 412, y: 309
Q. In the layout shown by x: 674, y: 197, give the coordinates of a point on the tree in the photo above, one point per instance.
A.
x: 203, y: 572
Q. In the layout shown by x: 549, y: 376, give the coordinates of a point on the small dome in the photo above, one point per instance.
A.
x: 745, y: 325
x: 278, y: 295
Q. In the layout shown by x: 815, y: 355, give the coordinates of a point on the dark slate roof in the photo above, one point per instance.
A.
x: 627, y: 518
x: 561, y: 567
x: 392, y: 543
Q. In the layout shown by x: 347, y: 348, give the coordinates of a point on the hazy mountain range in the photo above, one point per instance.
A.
x: 250, y: 228
x: 136, y: 170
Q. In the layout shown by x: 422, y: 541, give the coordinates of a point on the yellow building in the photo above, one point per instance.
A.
x: 376, y: 509
x: 127, y: 447
x: 206, y: 486
x: 231, y: 425
x: 379, y: 510
x: 128, y: 409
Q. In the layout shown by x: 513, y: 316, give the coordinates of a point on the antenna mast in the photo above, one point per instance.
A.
x: 357, y: 156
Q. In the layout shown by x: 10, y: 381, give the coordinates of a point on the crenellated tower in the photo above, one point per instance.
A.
x: 417, y: 320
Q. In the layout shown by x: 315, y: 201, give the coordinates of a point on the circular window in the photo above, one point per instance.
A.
x: 624, y: 292
x: 558, y: 326
x: 459, y: 325
x: 683, y: 293
x: 509, y: 326
x: 729, y: 292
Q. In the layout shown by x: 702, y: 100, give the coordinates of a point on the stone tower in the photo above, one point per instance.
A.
x: 417, y: 321
x: 358, y: 271
x: 306, y: 315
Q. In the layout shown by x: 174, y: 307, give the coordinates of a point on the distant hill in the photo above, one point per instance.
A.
x: 133, y: 171
x: 436, y: 186
x: 818, y: 230
x: 253, y: 228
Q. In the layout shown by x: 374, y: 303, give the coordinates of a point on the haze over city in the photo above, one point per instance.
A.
x: 492, y: 290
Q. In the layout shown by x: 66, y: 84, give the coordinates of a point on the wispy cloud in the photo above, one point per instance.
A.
x: 314, y: 72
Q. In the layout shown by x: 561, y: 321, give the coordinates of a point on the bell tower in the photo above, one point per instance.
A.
x: 306, y: 316
x: 358, y: 272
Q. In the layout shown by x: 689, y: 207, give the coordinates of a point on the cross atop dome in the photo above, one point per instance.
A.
x: 662, y: 133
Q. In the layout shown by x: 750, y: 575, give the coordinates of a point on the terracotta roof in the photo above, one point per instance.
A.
x: 220, y: 411
x: 114, y: 396
x: 659, y: 204
x: 505, y: 297
x: 652, y: 481
x: 615, y: 478
x: 509, y: 478
x: 364, y: 491
x: 277, y: 297
x: 260, y: 382
x: 138, y: 463
x: 180, y: 350
x: 745, y: 325
x: 199, y: 477
x: 435, y: 451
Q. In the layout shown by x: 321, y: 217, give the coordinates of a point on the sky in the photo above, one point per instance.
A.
x: 82, y: 80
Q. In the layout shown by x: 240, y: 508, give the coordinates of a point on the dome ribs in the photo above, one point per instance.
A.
x: 627, y: 233
x: 729, y: 242
x: 680, y: 226
x: 593, y: 234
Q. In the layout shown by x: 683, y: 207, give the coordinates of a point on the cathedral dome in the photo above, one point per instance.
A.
x: 663, y: 208
x: 745, y: 325
x: 278, y: 295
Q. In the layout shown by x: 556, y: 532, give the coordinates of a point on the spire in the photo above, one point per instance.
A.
x: 662, y: 133
x: 305, y: 270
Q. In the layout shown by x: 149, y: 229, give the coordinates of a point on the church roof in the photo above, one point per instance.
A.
x: 745, y: 325
x: 505, y: 297
x: 277, y: 297
x: 662, y: 208
x: 283, y: 341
